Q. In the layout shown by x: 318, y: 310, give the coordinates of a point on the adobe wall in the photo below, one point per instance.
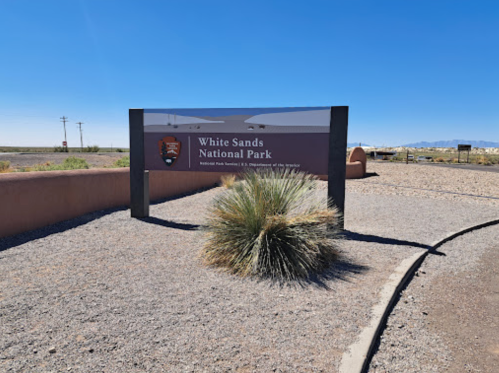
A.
x: 36, y: 199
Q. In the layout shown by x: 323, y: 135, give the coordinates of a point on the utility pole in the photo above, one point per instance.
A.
x: 64, y: 120
x: 81, y: 137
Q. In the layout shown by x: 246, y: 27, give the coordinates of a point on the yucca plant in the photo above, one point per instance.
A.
x: 272, y: 224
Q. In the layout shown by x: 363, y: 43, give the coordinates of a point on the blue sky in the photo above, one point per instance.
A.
x: 409, y: 70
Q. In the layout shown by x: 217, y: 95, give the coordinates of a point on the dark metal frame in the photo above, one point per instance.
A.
x: 461, y: 148
x: 337, y: 162
x: 139, y: 176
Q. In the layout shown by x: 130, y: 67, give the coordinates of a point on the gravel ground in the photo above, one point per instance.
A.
x: 446, y: 320
x: 108, y: 293
x: 97, y: 160
x: 430, y: 182
x: 465, y: 166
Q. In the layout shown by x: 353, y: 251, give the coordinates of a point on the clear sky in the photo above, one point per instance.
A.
x: 410, y: 70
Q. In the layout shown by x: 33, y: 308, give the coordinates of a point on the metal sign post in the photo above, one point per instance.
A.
x: 337, y: 162
x: 463, y: 147
x: 139, y: 178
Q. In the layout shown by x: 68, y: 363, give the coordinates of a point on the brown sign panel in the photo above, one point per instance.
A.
x: 231, y: 140
x: 312, y: 139
x: 462, y: 147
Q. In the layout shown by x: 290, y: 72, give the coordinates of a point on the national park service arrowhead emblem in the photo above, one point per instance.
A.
x: 169, y: 149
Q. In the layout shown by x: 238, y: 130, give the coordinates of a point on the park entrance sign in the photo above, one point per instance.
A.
x: 230, y: 140
x: 311, y: 139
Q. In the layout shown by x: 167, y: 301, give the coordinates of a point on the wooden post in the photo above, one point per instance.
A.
x: 337, y: 162
x: 139, y: 177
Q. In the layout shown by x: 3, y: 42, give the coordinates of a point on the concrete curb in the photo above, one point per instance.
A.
x: 358, y: 356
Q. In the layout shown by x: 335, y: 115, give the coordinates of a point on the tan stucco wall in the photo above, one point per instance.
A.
x: 167, y: 184
x: 35, y: 199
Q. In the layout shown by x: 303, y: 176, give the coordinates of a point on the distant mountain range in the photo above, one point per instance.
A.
x: 453, y: 144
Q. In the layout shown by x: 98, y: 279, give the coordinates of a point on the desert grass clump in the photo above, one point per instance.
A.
x: 272, y: 224
x: 74, y: 163
x: 228, y: 181
x: 483, y: 160
x: 91, y: 149
x: 4, y: 166
x: 439, y: 159
x: 60, y: 149
x: 70, y: 163
x: 122, y: 162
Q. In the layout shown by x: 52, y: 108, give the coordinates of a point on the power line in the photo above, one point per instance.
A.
x: 64, y: 120
x: 81, y: 136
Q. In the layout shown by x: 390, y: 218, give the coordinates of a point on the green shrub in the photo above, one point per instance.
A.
x: 119, y: 150
x: 59, y: 149
x: 70, y: 163
x: 73, y: 163
x: 4, y: 166
x: 271, y: 224
x: 91, y: 149
x: 123, y: 162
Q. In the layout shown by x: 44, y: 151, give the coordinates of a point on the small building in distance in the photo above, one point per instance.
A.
x: 384, y: 155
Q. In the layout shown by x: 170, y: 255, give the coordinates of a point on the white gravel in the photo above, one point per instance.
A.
x: 110, y: 293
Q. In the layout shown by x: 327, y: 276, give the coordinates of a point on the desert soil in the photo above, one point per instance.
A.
x: 95, y: 160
